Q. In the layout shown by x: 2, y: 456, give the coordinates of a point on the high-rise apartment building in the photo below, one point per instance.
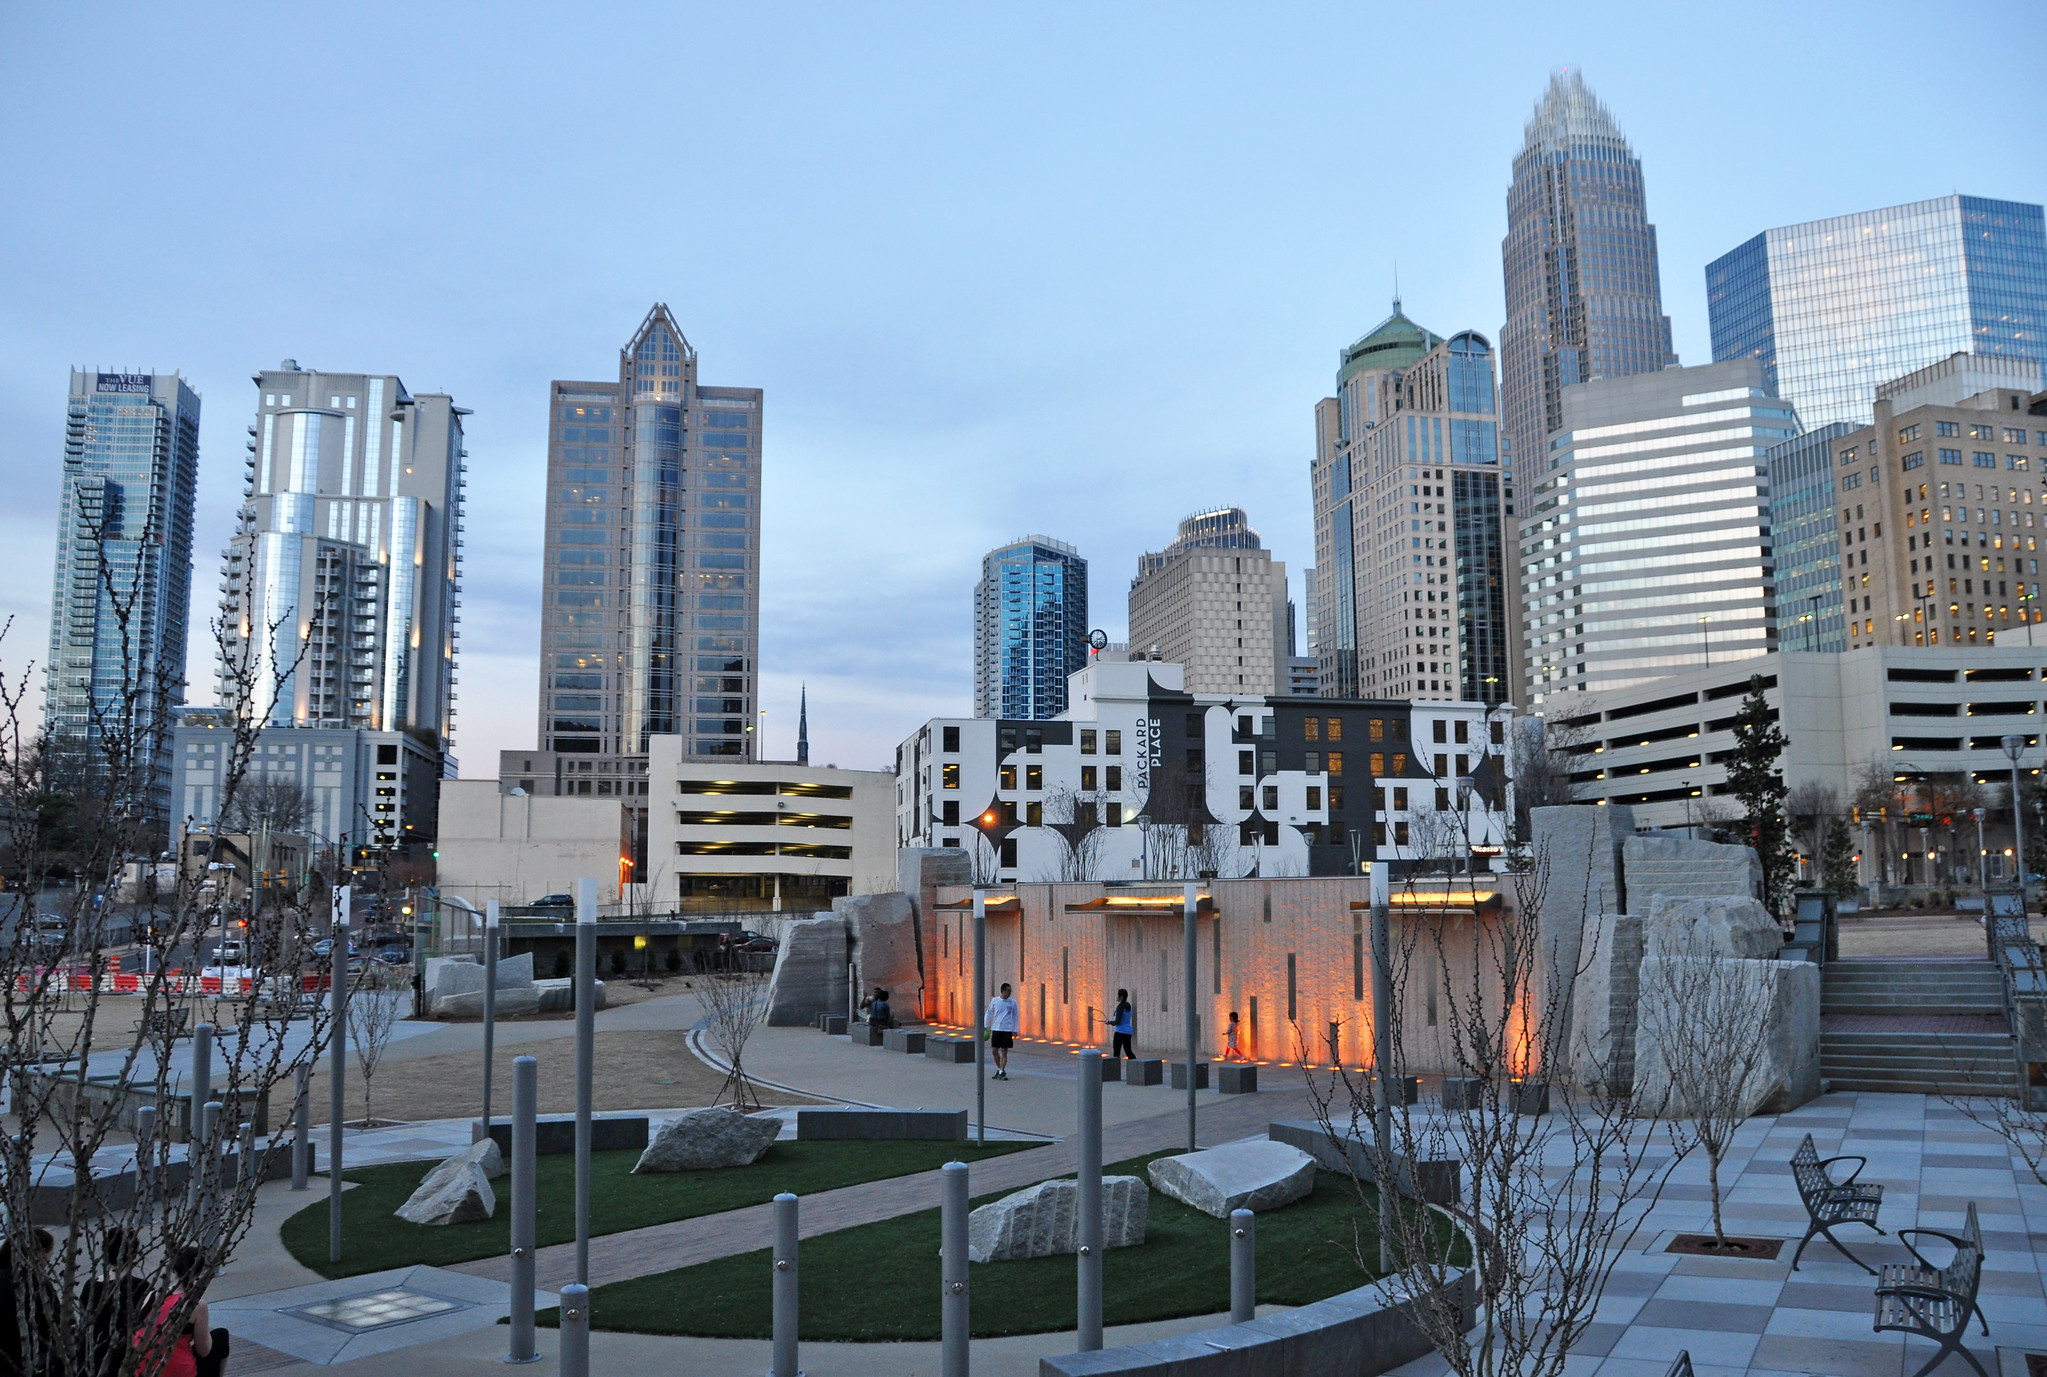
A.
x: 119, y: 607
x: 1030, y: 628
x: 1584, y: 294
x: 651, y: 617
x: 1646, y: 548
x: 1414, y: 520
x: 340, y: 594
x: 1215, y: 601
x: 1942, y: 509
x: 1833, y: 308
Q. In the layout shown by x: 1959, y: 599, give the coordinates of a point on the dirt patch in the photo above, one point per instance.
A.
x: 634, y: 1070
x: 1705, y: 1245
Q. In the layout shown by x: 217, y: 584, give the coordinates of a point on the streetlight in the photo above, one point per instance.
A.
x: 1705, y: 642
x: 2014, y: 747
x: 1982, y: 860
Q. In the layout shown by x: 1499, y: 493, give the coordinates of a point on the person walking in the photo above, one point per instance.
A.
x: 1231, y: 1051
x: 1001, y: 1025
x: 1123, y: 1022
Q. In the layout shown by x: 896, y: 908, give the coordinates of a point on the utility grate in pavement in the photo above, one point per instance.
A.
x: 377, y: 1310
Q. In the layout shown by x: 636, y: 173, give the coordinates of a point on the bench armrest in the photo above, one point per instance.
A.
x: 1950, y: 1239
x: 1921, y: 1292
x: 1860, y: 1163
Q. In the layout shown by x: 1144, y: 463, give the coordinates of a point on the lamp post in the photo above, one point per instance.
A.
x: 489, y: 921
x: 2014, y: 747
x: 1982, y: 860
x: 1705, y: 642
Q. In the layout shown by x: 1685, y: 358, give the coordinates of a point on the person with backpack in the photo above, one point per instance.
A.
x: 1124, y: 1024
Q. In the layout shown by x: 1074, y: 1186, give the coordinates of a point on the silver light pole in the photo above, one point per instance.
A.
x: 2014, y: 747
x: 980, y: 1013
x: 1190, y: 899
x: 586, y: 1036
x: 490, y: 1002
x: 1382, y: 1053
x: 337, y: 1063
x: 1982, y: 862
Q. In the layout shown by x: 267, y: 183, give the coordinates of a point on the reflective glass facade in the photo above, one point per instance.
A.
x: 1030, y: 628
x: 1647, y: 548
x: 1834, y: 308
x: 120, y: 605
x: 1584, y: 292
x: 1807, y: 538
x: 652, y: 618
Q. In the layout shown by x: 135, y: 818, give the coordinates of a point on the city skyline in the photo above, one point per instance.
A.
x: 1013, y: 373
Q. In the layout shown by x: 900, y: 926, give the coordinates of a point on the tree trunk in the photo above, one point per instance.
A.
x: 1713, y: 1176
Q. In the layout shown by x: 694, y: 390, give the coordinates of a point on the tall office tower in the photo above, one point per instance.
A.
x: 1584, y: 296
x: 652, y: 617
x: 339, y: 594
x: 1941, y: 508
x: 1215, y: 601
x: 1807, y: 541
x: 1646, y: 549
x: 1414, y: 520
x: 1833, y: 308
x: 120, y: 603
x: 1030, y: 628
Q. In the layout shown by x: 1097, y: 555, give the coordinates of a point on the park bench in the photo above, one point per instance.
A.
x: 1681, y: 1366
x: 1829, y: 1202
x: 1935, y: 1302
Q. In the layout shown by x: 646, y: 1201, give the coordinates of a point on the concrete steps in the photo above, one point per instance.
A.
x: 1968, y: 1059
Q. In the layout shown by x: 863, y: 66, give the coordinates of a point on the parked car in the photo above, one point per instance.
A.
x: 554, y: 901
x: 52, y: 931
x: 230, y: 953
x: 324, y: 948
x: 395, y: 956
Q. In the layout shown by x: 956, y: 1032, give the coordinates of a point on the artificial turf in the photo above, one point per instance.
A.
x: 373, y: 1239
x: 880, y: 1282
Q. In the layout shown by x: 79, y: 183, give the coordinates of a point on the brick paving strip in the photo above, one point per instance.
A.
x: 686, y: 1242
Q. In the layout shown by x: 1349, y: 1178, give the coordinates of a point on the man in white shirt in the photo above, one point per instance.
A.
x: 1001, y: 1025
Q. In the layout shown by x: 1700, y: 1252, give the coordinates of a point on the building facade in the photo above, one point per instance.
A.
x: 1807, y: 542
x: 774, y: 836
x: 1414, y: 520
x: 651, y: 623
x: 1214, y: 601
x: 1584, y: 292
x: 121, y: 595
x: 1141, y: 779
x: 1941, y: 512
x: 1646, y: 548
x: 1833, y: 308
x: 1030, y: 627
x: 517, y: 848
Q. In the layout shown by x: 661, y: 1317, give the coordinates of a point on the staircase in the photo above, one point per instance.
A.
x: 1920, y: 1025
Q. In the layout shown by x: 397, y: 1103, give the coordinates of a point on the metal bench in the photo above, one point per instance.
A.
x: 1829, y: 1202
x: 1681, y: 1366
x: 1936, y: 1302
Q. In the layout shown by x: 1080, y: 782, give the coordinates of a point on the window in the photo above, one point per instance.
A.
x: 1950, y: 456
x: 1115, y: 817
x: 1034, y: 740
x: 1244, y: 765
x: 1984, y: 459
x: 1008, y: 776
x: 949, y: 774
x: 1399, y: 800
x: 1087, y: 779
x: 1034, y: 815
x: 952, y: 812
x: 1441, y: 731
x: 1311, y: 729
x: 1087, y: 741
x: 1336, y: 798
x: 1314, y: 763
x: 1271, y: 798
x: 1034, y: 777
x: 1851, y: 480
x: 1378, y: 729
x: 1378, y: 766
x: 1247, y: 797
x: 2015, y: 461
x: 1336, y: 762
x: 1908, y: 434
x: 1114, y: 745
x: 1946, y: 428
x: 952, y: 738
x: 1115, y: 780
x: 1463, y: 734
x: 1335, y: 729
x: 1399, y: 764
x: 1916, y: 460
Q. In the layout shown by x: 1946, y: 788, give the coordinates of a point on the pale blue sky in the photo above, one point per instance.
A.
x: 1070, y: 269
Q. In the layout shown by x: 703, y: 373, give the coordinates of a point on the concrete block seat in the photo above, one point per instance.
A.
x: 556, y: 1133
x: 1145, y: 1071
x: 1179, y: 1074
x: 865, y: 1034
x: 881, y: 1125
x: 909, y: 1040
x: 955, y: 1051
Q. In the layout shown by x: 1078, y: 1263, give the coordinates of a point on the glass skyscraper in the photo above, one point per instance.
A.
x: 119, y: 609
x: 1833, y: 308
x: 1030, y: 628
x: 1584, y: 294
x: 1807, y: 540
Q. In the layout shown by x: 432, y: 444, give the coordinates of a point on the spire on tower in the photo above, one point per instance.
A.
x: 803, y: 727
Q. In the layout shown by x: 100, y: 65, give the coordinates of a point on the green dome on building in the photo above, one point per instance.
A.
x: 1395, y: 342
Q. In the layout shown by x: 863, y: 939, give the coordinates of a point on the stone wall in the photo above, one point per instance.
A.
x: 810, y: 972
x: 1680, y: 868
x: 883, y: 931
x: 919, y: 873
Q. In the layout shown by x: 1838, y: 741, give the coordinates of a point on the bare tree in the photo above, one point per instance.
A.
x: 1075, y: 819
x: 1703, y: 1045
x: 1548, y: 1201
x: 276, y: 802
x: 1546, y: 752
x: 733, y: 1007
x: 375, y: 1004
x: 92, y: 1018
x: 1810, y: 807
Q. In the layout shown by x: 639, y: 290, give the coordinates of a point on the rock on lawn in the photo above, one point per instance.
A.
x: 702, y: 1138
x: 1044, y: 1220
x: 1257, y: 1175
x: 463, y: 1196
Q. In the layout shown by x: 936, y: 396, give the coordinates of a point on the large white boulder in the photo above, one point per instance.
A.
x: 1683, y: 997
x: 482, y: 1154
x: 1044, y: 1220
x: 698, y: 1139
x: 1729, y: 925
x: 513, y: 1003
x: 462, y: 1196
x: 1257, y: 1174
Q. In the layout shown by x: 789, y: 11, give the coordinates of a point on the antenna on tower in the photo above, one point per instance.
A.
x: 1396, y: 286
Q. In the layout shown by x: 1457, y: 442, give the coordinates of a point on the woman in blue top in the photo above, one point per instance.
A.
x: 1124, y: 1025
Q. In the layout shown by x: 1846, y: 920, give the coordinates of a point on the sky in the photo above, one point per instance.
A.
x: 1060, y: 269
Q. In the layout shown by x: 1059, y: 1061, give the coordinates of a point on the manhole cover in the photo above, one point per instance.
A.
x: 377, y: 1310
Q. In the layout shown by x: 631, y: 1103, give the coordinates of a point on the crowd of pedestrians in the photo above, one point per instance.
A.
x: 116, y: 1313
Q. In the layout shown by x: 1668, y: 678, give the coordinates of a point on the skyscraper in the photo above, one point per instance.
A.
x: 1646, y: 548
x: 1413, y: 522
x: 1584, y: 295
x: 651, y: 620
x: 119, y: 607
x: 1833, y: 308
x: 1030, y: 627
x: 340, y: 590
x: 1215, y: 601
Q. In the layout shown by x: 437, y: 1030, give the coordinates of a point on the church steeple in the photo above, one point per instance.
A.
x: 803, y: 727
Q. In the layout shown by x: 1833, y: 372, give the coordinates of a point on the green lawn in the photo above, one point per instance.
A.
x: 372, y: 1239
x: 880, y: 1282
